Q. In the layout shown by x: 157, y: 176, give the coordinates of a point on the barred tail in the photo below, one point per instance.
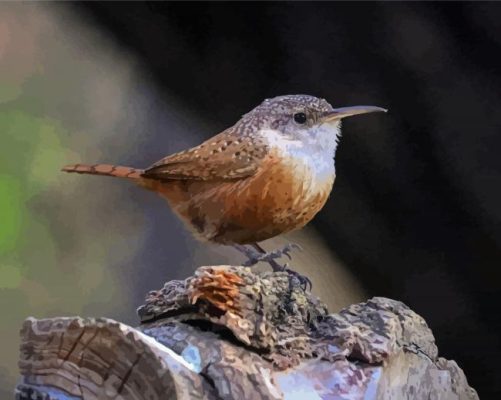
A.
x: 105, y: 169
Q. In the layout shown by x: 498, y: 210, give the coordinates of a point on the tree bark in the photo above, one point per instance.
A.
x: 230, y: 333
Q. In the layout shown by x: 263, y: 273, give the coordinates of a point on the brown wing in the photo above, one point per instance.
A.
x: 226, y: 156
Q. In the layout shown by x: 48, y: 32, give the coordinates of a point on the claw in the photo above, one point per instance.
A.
x: 272, y: 255
x: 255, y: 257
x: 286, y: 250
x: 304, y: 281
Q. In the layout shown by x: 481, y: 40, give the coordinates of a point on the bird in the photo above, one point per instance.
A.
x: 268, y: 174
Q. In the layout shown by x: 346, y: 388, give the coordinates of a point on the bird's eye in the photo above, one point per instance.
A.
x: 300, y: 118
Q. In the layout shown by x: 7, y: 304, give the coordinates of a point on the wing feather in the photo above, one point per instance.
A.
x: 226, y: 156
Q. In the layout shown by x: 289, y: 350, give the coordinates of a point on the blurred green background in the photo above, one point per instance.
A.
x: 84, y: 245
x: 54, y: 107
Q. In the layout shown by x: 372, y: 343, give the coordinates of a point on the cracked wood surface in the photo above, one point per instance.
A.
x: 229, y: 333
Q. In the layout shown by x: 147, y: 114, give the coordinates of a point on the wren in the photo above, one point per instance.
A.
x: 268, y: 174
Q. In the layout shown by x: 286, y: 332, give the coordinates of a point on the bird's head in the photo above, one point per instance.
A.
x: 303, y: 118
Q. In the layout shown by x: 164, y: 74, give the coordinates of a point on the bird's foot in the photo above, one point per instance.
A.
x: 303, y: 280
x: 271, y: 256
x: 255, y: 257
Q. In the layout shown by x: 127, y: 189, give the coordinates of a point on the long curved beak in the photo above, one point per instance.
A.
x: 343, y: 112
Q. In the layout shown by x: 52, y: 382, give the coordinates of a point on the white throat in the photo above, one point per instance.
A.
x: 316, y: 148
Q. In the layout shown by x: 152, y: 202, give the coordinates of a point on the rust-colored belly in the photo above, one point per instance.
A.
x: 279, y: 198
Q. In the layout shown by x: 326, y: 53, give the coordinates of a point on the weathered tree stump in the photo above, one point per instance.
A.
x: 229, y: 333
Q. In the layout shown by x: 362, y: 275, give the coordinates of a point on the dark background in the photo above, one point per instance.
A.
x: 417, y: 206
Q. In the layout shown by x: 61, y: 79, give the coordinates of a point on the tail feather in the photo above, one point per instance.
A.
x: 105, y: 169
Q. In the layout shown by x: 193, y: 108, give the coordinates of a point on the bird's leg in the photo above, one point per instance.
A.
x: 256, y: 254
x: 251, y: 254
x: 304, y: 281
x: 270, y: 256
